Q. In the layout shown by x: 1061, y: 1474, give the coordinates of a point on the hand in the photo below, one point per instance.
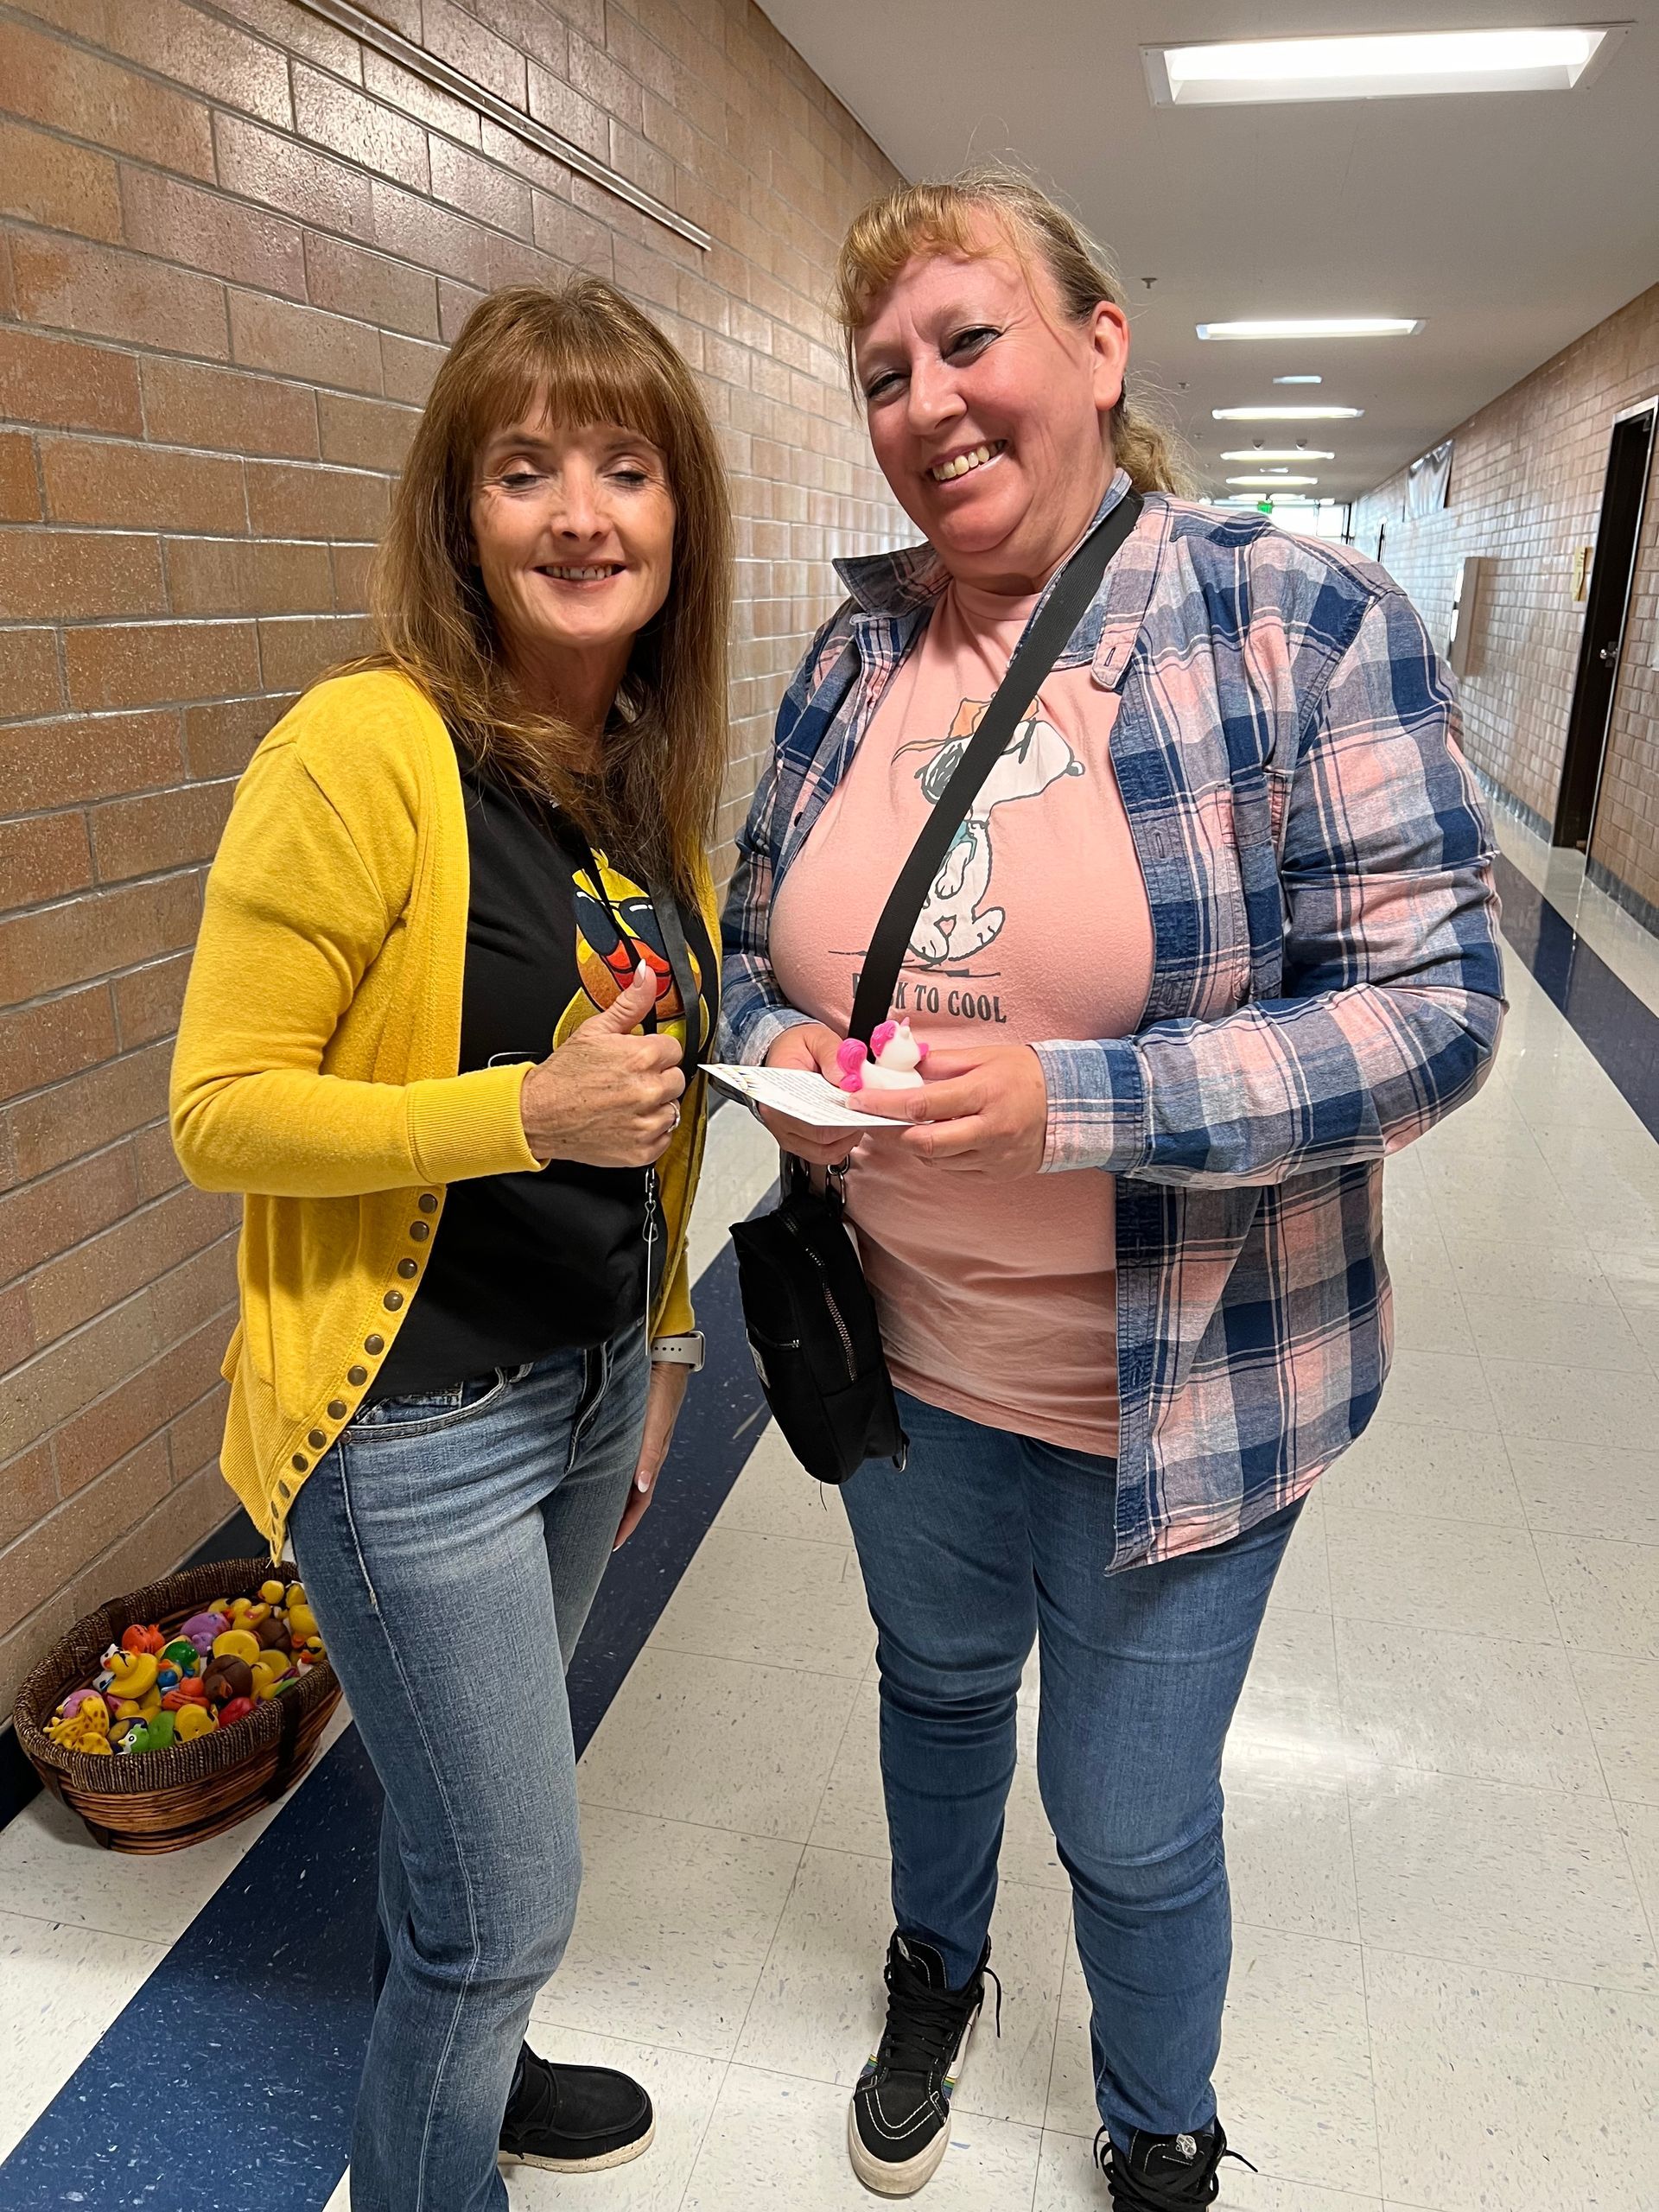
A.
x: 982, y: 1110
x: 809, y: 1044
x: 661, y: 1410
x: 606, y: 1096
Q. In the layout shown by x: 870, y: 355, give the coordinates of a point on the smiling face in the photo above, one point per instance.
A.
x: 987, y: 408
x: 574, y: 533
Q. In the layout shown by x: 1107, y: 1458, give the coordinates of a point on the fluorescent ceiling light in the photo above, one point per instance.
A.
x: 1382, y: 66
x: 1285, y: 414
x: 1280, y: 452
x: 1344, y: 326
x: 1270, y: 483
x: 1298, y: 379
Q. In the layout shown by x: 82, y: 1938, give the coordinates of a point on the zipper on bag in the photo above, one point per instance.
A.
x: 829, y: 1298
x: 653, y: 1217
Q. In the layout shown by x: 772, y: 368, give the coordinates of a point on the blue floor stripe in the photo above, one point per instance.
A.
x: 227, y: 2082
x: 1619, y: 1029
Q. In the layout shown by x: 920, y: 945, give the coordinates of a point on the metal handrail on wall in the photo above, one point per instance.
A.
x: 346, y: 17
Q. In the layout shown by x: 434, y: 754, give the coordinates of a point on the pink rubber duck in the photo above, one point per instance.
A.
x: 893, y: 1061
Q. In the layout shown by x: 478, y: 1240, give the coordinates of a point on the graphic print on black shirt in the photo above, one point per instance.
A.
x: 528, y: 1264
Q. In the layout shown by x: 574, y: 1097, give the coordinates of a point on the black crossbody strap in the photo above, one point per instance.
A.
x: 1046, y: 638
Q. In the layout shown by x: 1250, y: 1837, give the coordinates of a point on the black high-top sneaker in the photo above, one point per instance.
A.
x: 899, y: 2125
x: 1164, y: 2173
x: 574, y: 2119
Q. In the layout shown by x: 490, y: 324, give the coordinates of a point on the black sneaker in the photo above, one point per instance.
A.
x: 574, y: 2119
x: 1164, y: 2173
x: 899, y: 2125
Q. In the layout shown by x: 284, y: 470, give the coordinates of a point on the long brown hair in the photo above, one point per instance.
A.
x: 938, y: 217
x: 588, y: 355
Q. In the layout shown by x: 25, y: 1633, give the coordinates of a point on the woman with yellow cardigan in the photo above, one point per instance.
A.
x: 458, y: 927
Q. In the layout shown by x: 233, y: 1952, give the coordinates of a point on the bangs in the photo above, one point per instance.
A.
x: 572, y: 366
x: 917, y: 218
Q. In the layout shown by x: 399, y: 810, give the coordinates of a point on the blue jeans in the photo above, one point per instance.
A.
x: 988, y: 1542
x: 451, y: 1546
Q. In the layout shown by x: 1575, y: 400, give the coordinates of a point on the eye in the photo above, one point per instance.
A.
x: 631, y: 474
x: 971, y: 342
x: 879, y: 385
x: 518, y: 479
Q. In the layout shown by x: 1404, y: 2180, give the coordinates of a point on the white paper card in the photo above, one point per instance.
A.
x: 799, y: 1092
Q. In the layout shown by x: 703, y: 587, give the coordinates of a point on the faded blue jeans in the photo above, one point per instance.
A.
x: 451, y: 1547
x: 989, y: 1541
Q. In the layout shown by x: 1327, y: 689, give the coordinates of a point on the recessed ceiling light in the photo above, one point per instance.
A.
x: 1279, y: 482
x: 1381, y: 66
x: 1315, y: 414
x: 1280, y: 452
x: 1344, y: 326
x: 1298, y: 379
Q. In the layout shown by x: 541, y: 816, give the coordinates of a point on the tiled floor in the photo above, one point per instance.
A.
x: 1443, y: 1784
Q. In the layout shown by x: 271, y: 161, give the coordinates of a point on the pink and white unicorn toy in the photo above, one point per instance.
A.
x: 891, y: 1062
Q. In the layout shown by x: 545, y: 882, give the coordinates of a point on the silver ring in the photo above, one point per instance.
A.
x: 675, y: 1123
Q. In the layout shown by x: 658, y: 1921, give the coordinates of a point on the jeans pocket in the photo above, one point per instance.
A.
x: 427, y: 1413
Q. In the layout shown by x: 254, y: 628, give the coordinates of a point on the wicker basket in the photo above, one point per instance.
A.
x: 162, y: 1801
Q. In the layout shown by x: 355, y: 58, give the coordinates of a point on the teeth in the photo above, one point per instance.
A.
x: 965, y: 463
x: 579, y: 575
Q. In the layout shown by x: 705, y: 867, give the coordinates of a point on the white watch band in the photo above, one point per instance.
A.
x: 679, y: 1351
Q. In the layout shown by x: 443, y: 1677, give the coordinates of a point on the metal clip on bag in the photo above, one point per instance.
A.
x: 807, y: 1309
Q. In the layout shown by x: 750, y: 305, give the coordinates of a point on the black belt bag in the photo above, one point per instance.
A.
x: 807, y: 1309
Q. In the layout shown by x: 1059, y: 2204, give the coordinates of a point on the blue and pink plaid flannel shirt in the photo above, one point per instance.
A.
x: 1326, y: 978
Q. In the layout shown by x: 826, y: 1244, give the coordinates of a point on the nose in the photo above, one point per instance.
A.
x: 579, y: 512
x: 932, y: 400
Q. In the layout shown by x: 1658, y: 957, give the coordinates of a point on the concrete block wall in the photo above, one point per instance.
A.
x: 1526, y: 486
x: 235, y: 241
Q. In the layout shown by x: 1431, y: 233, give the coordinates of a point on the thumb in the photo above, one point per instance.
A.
x: 630, y: 1009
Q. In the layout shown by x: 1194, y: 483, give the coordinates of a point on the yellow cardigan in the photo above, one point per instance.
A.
x: 316, y: 1066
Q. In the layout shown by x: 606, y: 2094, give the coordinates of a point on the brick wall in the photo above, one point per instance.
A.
x: 1526, y: 487
x: 236, y: 239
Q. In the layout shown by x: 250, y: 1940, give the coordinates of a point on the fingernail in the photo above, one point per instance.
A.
x: 642, y: 1482
x: 642, y: 973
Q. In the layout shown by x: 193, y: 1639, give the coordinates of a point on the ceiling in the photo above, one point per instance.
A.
x: 1510, y: 221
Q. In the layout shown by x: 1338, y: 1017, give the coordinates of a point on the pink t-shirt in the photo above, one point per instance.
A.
x: 997, y: 1299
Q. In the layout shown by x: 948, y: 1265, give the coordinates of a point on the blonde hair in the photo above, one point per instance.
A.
x: 588, y: 355
x: 938, y: 217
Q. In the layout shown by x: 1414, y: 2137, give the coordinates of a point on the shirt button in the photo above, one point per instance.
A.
x: 392, y: 1300
x: 357, y: 1377
x: 336, y: 1409
x: 408, y: 1270
x: 374, y: 1343
x: 298, y: 1462
x: 316, y: 1440
x: 428, y: 1202
x: 419, y: 1230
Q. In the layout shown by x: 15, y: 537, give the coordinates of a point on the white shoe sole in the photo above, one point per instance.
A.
x: 888, y: 2179
x: 622, y: 2156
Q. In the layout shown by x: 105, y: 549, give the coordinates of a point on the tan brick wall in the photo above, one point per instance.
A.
x: 1526, y: 489
x: 236, y: 239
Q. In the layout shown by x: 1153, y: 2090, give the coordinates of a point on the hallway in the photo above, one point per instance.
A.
x: 1443, y: 1786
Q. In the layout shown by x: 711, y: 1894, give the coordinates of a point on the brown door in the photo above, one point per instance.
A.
x: 1622, y: 501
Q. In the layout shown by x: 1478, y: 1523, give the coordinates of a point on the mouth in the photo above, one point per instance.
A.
x: 593, y: 572
x: 958, y: 465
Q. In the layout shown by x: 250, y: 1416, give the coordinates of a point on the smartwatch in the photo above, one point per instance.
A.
x: 679, y: 1351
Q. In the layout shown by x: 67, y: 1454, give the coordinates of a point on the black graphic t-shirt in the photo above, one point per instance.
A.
x: 526, y: 1264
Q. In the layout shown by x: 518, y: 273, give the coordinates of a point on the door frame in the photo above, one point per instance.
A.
x: 1650, y: 406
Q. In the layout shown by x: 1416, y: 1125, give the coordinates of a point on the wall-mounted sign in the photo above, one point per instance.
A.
x: 1428, y: 482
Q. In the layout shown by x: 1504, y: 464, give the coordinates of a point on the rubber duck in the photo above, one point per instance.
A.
x: 132, y: 1672
x: 191, y: 1721
x: 236, y: 1644
x: 302, y: 1621
x: 227, y: 1679
x: 202, y: 1628
x: 82, y: 1731
x: 271, y: 1593
x: 238, y: 1709
x: 126, y: 1735
x: 142, y: 1637
x: 78, y: 1700
x: 190, y: 1692
x: 892, y: 1061
x: 183, y: 1655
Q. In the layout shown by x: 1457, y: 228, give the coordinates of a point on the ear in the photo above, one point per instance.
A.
x: 1109, y: 338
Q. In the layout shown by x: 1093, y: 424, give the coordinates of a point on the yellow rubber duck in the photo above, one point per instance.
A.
x: 191, y: 1721
x: 236, y: 1644
x: 271, y: 1593
x: 132, y: 1674
x: 84, y: 1731
x: 302, y: 1621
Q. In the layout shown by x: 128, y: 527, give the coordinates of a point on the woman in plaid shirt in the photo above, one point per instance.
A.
x: 1218, y: 936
